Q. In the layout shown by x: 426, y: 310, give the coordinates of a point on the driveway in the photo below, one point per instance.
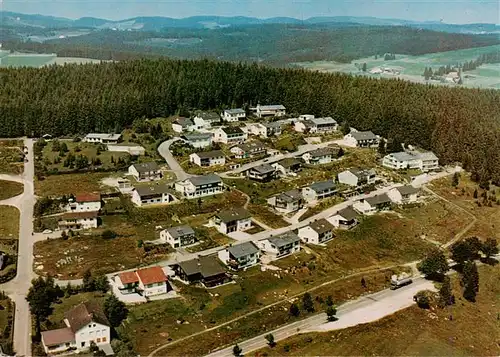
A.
x: 164, y: 151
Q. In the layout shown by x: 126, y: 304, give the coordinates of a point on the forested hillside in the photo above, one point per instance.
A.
x: 459, y: 124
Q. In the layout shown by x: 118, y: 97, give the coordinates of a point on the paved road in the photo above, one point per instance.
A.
x: 164, y: 151
x: 365, y: 309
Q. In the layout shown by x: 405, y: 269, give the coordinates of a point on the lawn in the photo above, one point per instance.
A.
x: 320, y: 207
x: 58, y: 185
x: 473, y: 331
x: 11, y: 160
x: 266, y: 216
x: 10, y: 189
x: 9, y: 222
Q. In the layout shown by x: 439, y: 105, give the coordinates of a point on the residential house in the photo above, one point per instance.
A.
x: 281, y: 245
x: 102, y: 138
x: 200, y: 186
x: 232, y: 115
x: 357, y: 177
x: 319, y: 190
x: 248, y: 150
x: 205, y: 270
x: 146, y: 171
x: 424, y: 161
x: 148, y: 195
x: 230, y: 135
x: 318, y: 232
x: 240, y: 256
x: 78, y: 220
x: 287, y: 202
x: 127, y: 282
x: 264, y: 173
x: 198, y: 140
x: 288, y: 167
x: 270, y: 110
x: 85, y: 202
x: 131, y: 149
x: 179, y: 236
x: 344, y: 219
x: 321, y: 156
x: 362, y: 139
x: 205, y: 120
x: 266, y: 129
x: 182, y: 125
x: 208, y: 158
x: 404, y: 194
x: 232, y: 220
x: 85, y: 323
x: 147, y: 282
x: 373, y: 204
x: 316, y: 125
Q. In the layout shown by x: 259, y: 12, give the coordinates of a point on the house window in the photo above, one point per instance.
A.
x: 94, y: 325
x: 98, y: 340
x: 104, y: 339
x: 83, y: 344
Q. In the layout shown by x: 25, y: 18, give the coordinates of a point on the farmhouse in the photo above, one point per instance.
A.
x: 288, y: 167
x: 208, y: 158
x: 148, y: 195
x: 371, y: 205
x: 240, y: 256
x: 205, y: 120
x: 316, y: 125
x: 264, y: 172
x: 232, y: 220
x: 287, y: 202
x: 232, y: 115
x: 318, y: 232
x: 357, y: 177
x: 280, y: 246
x: 181, y: 125
x: 205, y: 270
x: 248, y: 150
x: 85, y: 202
x: 230, y: 135
x: 200, y: 186
x: 78, y: 220
x: 198, y: 140
x: 102, y: 138
x: 424, y: 161
x: 147, y: 282
x: 404, y: 194
x: 179, y: 236
x: 320, y: 156
x: 319, y: 190
x: 85, y: 323
x: 344, y: 219
x: 270, y: 110
x: 362, y: 139
x: 147, y: 171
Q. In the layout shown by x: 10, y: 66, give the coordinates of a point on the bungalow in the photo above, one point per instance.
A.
x: 362, y: 139
x: 357, y: 177
x: 247, y: 150
x: 181, y: 125
x: 78, y: 220
x: 147, y: 282
x: 287, y: 202
x: 344, y: 219
x: 200, y: 186
x: 198, y: 140
x: 205, y: 120
x: 232, y: 115
x: 230, y: 135
x: 148, y: 195
x: 317, y: 125
x: 208, y: 158
x: 102, y: 138
x: 280, y: 246
x: 424, y: 161
x: 264, y: 172
x: 270, y: 110
x: 240, y: 256
x: 404, y: 194
x: 178, y: 236
x: 85, y: 323
x: 85, y: 202
x: 232, y: 220
x: 318, y: 232
x: 205, y: 270
x: 319, y: 190
x: 320, y: 156
x: 266, y: 130
x: 287, y: 167
x: 146, y: 171
x: 131, y: 149
x: 373, y: 204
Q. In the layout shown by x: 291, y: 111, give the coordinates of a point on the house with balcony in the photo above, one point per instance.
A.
x: 200, y: 186
x: 373, y: 204
x: 147, y: 282
x: 321, y: 156
x: 404, y: 194
x: 263, y: 173
x: 233, y: 115
x: 240, y: 256
x: 84, y: 202
x: 100, y: 138
x: 275, y: 110
x: 287, y: 167
x: 232, y: 220
x: 362, y: 139
x: 313, y: 125
x: 179, y: 236
x: 230, y: 135
x: 357, y: 177
x: 281, y: 245
x: 208, y: 158
x: 266, y: 129
x: 150, y: 195
x: 78, y: 220
x: 423, y: 161
x: 287, y: 202
x: 182, y: 125
x: 344, y: 219
x: 146, y: 171
x: 319, y: 190
x: 205, y: 270
x: 198, y: 140
x: 248, y: 150
x: 318, y: 232
x: 205, y: 120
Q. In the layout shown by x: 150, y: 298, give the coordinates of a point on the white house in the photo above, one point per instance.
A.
x: 205, y: 120
x: 200, y: 186
x: 320, y: 156
x: 230, y: 135
x: 178, y: 236
x: 233, y: 220
x: 266, y: 129
x: 102, y: 138
x: 248, y: 150
x: 344, y: 219
x: 264, y: 172
x: 146, y: 171
x: 317, y: 125
x: 373, y: 204
x: 281, y: 245
x: 85, y: 202
x: 132, y: 149
x: 198, y: 140
x: 287, y: 202
x: 404, y: 194
x: 78, y: 220
x: 152, y: 281
x: 362, y: 139
x: 357, y: 177
x: 208, y: 158
x: 318, y: 232
x: 232, y: 115
x: 319, y: 190
x: 270, y: 110
x: 182, y: 125
x: 85, y: 323
x: 288, y: 167
x: 240, y: 256
x: 424, y: 161
x: 149, y: 195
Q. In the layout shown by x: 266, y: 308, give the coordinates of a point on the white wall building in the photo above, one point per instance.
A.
x: 78, y: 220
x: 208, y: 158
x: 319, y: 190
x: 424, y: 161
x: 357, y: 177
x: 179, y: 236
x: 146, y: 171
x: 233, y: 220
x: 230, y: 135
x: 85, y: 203
x: 318, y: 232
x: 316, y: 125
x: 404, y: 194
x: 280, y: 246
x: 232, y: 115
x: 182, y: 125
x: 102, y: 138
x: 200, y: 186
x: 240, y: 256
x: 198, y: 140
x: 270, y: 111
x: 362, y: 139
x: 149, y: 195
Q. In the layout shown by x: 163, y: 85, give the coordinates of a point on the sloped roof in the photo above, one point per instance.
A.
x: 321, y: 226
x: 272, y: 107
x: 232, y: 130
x: 252, y: 146
x: 210, y: 154
x: 322, y: 186
x: 58, y: 337
x: 243, y: 249
x: 209, y: 116
x: 152, y: 275
x: 85, y: 313
x: 348, y: 213
x: 234, y: 214
x: 197, y: 136
x: 408, y: 190
x: 379, y: 199
x: 207, y: 266
x: 146, y: 166
x: 284, y: 239
x: 88, y: 197
x: 80, y: 215
x: 235, y: 111
x: 152, y: 190
x: 263, y: 169
x: 323, y: 121
x: 363, y: 135
x: 128, y: 277
x: 205, y: 179
x: 290, y: 196
x: 324, y: 151
x: 180, y: 231
x: 184, y: 122
x: 362, y: 173
x: 289, y: 162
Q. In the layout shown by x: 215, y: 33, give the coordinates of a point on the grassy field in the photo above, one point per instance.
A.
x: 473, y: 331
x: 321, y: 206
x: 58, y: 185
x: 10, y: 189
x: 266, y: 216
x: 11, y: 160
x: 6, y: 321
x: 9, y: 222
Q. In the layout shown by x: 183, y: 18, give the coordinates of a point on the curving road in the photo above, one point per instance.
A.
x: 164, y: 151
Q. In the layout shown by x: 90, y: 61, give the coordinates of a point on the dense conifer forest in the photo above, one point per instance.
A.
x: 458, y: 124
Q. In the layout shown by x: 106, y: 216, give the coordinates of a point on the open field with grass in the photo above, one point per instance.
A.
x: 472, y: 331
x: 58, y: 185
x: 266, y: 216
x: 11, y: 159
x: 6, y: 320
x: 10, y: 189
x: 9, y: 222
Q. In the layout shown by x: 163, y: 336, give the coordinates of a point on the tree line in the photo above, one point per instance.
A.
x: 485, y: 58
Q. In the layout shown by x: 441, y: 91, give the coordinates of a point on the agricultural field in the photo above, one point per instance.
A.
x: 412, y: 67
x: 10, y: 189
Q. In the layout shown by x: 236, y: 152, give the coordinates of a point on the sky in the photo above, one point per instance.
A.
x: 448, y: 11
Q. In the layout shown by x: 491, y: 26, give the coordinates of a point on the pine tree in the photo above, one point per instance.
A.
x: 470, y: 281
x: 446, y: 293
